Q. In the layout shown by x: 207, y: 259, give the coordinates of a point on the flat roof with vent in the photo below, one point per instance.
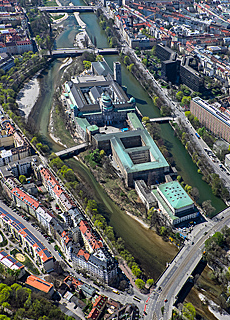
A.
x: 175, y: 195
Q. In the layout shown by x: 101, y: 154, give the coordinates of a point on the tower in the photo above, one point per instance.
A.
x: 117, y: 72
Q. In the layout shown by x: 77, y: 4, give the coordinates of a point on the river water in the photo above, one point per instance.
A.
x: 148, y: 249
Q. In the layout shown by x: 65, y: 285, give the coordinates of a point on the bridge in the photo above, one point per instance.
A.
x: 73, y: 52
x: 178, y: 272
x: 161, y: 120
x: 68, y: 9
x: 70, y: 152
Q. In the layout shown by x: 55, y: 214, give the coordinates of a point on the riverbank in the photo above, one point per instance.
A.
x: 28, y: 96
x: 58, y: 21
x: 144, y: 224
x: 51, y: 129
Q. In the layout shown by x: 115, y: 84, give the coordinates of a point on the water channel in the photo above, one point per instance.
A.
x: 150, y: 251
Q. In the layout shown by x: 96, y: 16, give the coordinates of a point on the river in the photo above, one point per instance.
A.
x: 148, y: 249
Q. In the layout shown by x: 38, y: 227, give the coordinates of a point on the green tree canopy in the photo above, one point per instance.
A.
x: 150, y: 282
x: 22, y: 179
x: 87, y: 64
x: 140, y: 284
x: 189, y: 311
x: 179, y: 95
x: 126, y: 60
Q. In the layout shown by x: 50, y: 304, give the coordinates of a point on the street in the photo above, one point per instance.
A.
x: 181, y: 268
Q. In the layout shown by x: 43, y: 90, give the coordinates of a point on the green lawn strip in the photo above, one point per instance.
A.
x: 58, y: 17
x: 61, y: 132
x: 27, y: 263
x: 4, y: 240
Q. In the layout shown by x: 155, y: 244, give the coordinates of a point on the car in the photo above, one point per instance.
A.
x: 192, y: 242
x: 166, y: 300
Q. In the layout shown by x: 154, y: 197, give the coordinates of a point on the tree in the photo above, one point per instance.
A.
x: 136, y: 271
x: 69, y: 175
x: 108, y: 31
x: 208, y: 208
x: 57, y: 162
x: 130, y: 67
x: 91, y: 205
x: 22, y: 179
x: 150, y: 282
x: 102, y: 153
x: 195, y: 193
x: 187, y: 114
x: 179, y: 95
x: 189, y: 311
x: 87, y: 64
x: 145, y: 119
x: 185, y: 101
x: 126, y: 60
x: 5, y: 294
x: 140, y: 284
x: 99, y: 58
x: 188, y: 188
x: 218, y: 238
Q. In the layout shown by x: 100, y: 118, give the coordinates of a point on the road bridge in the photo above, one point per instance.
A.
x: 180, y: 269
x: 68, y: 9
x: 73, y: 52
x: 70, y: 152
x: 161, y: 120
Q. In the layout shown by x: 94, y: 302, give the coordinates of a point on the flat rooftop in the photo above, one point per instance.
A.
x: 213, y: 110
x: 175, y: 195
x: 157, y: 159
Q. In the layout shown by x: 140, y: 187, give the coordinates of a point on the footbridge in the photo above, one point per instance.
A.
x: 68, y: 9
x: 161, y: 120
x: 70, y: 152
x: 73, y: 52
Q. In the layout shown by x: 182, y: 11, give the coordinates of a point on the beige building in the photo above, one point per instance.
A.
x: 211, y: 118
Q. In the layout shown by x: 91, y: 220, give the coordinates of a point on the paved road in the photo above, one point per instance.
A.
x: 35, y: 232
x: 180, y: 269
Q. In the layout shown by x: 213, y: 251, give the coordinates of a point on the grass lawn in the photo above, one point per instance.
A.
x: 4, y: 240
x: 50, y: 3
x: 27, y: 263
x: 56, y: 17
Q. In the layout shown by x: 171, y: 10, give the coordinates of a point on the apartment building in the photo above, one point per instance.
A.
x: 40, y: 285
x: 56, y: 191
x: 11, y: 263
x: 211, y: 117
x: 29, y: 242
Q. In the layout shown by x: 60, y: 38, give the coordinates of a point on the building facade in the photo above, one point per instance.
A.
x: 211, y: 118
x: 29, y: 242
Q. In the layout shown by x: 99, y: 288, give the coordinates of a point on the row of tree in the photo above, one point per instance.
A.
x: 200, y: 160
x: 20, y: 302
x: 108, y: 26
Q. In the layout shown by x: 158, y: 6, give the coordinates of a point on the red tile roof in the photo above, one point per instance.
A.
x: 39, y: 284
x: 98, y: 306
x: 84, y: 254
x: 90, y: 237
x: 24, y: 197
